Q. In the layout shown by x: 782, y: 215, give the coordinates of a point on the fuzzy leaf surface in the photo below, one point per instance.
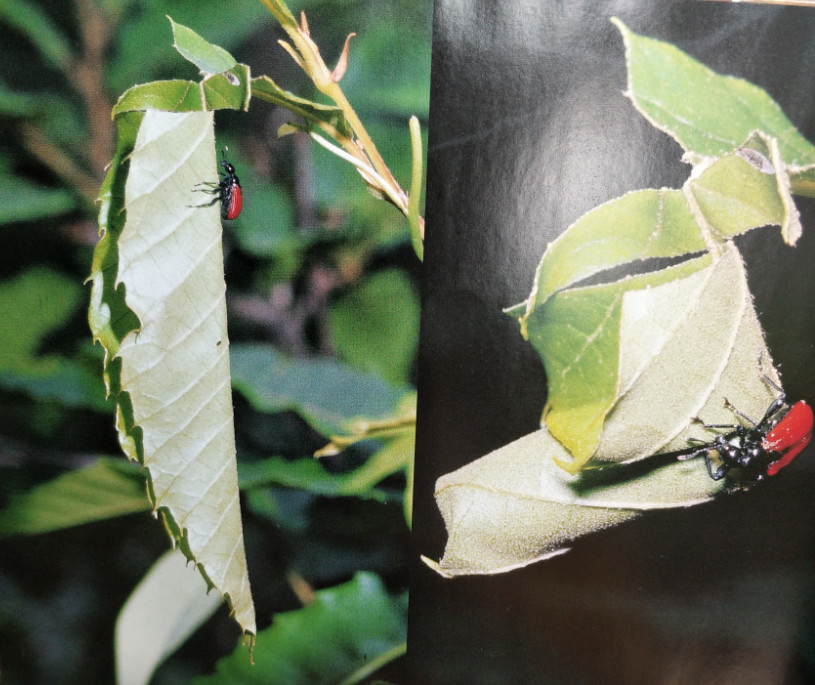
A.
x: 666, y: 339
x: 515, y: 506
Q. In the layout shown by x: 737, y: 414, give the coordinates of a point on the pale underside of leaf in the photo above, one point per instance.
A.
x: 175, y: 369
x: 515, y: 506
x: 685, y: 346
x: 167, y: 606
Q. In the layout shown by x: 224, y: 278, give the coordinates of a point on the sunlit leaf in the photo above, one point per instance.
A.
x: 229, y: 90
x: 209, y: 58
x: 166, y: 607
x: 514, y: 506
x: 170, y: 374
x: 706, y: 113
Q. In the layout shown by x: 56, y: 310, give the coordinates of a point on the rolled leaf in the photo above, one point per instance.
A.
x: 158, y: 306
x: 514, y: 506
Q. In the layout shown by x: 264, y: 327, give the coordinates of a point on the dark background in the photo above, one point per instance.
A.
x: 529, y: 130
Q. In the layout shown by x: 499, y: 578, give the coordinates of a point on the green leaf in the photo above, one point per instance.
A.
x: 171, y: 375
x: 166, y: 96
x: 35, y: 24
x: 725, y: 197
x: 576, y: 330
x: 322, y: 116
x: 685, y: 346
x: 267, y: 228
x: 514, y: 506
x: 33, y: 303
x: 24, y: 201
x: 36, y: 303
x: 328, y: 394
x: 306, y: 474
x: 343, y: 636
x: 209, y: 58
x: 229, y: 90
x: 375, y: 327
x: 640, y: 225
x: 106, y: 489
x: 706, y: 113
x: 577, y: 334
x: 15, y: 104
x: 744, y: 190
x: 21, y: 199
x: 164, y: 609
x: 109, y: 317
x: 142, y: 49
x: 610, y: 352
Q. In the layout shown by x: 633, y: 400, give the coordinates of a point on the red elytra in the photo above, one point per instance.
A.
x: 231, y: 197
x: 227, y: 191
x: 790, y: 436
x: 747, y: 454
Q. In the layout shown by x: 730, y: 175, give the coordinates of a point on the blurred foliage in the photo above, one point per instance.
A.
x: 311, y: 248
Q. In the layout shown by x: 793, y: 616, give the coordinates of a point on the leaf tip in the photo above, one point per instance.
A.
x: 435, y: 566
x: 342, y: 63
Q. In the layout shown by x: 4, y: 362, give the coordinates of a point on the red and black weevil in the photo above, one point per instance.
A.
x: 747, y: 455
x: 227, y: 191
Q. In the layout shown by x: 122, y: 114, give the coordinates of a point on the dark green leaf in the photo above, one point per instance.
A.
x: 35, y: 303
x: 306, y: 474
x: 106, y: 489
x: 27, y: 18
x: 375, y: 327
x: 326, y: 393
x: 341, y: 637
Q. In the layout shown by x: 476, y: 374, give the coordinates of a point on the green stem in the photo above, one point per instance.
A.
x: 364, y: 167
x: 282, y: 13
x: 416, y: 227
x: 335, y: 93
